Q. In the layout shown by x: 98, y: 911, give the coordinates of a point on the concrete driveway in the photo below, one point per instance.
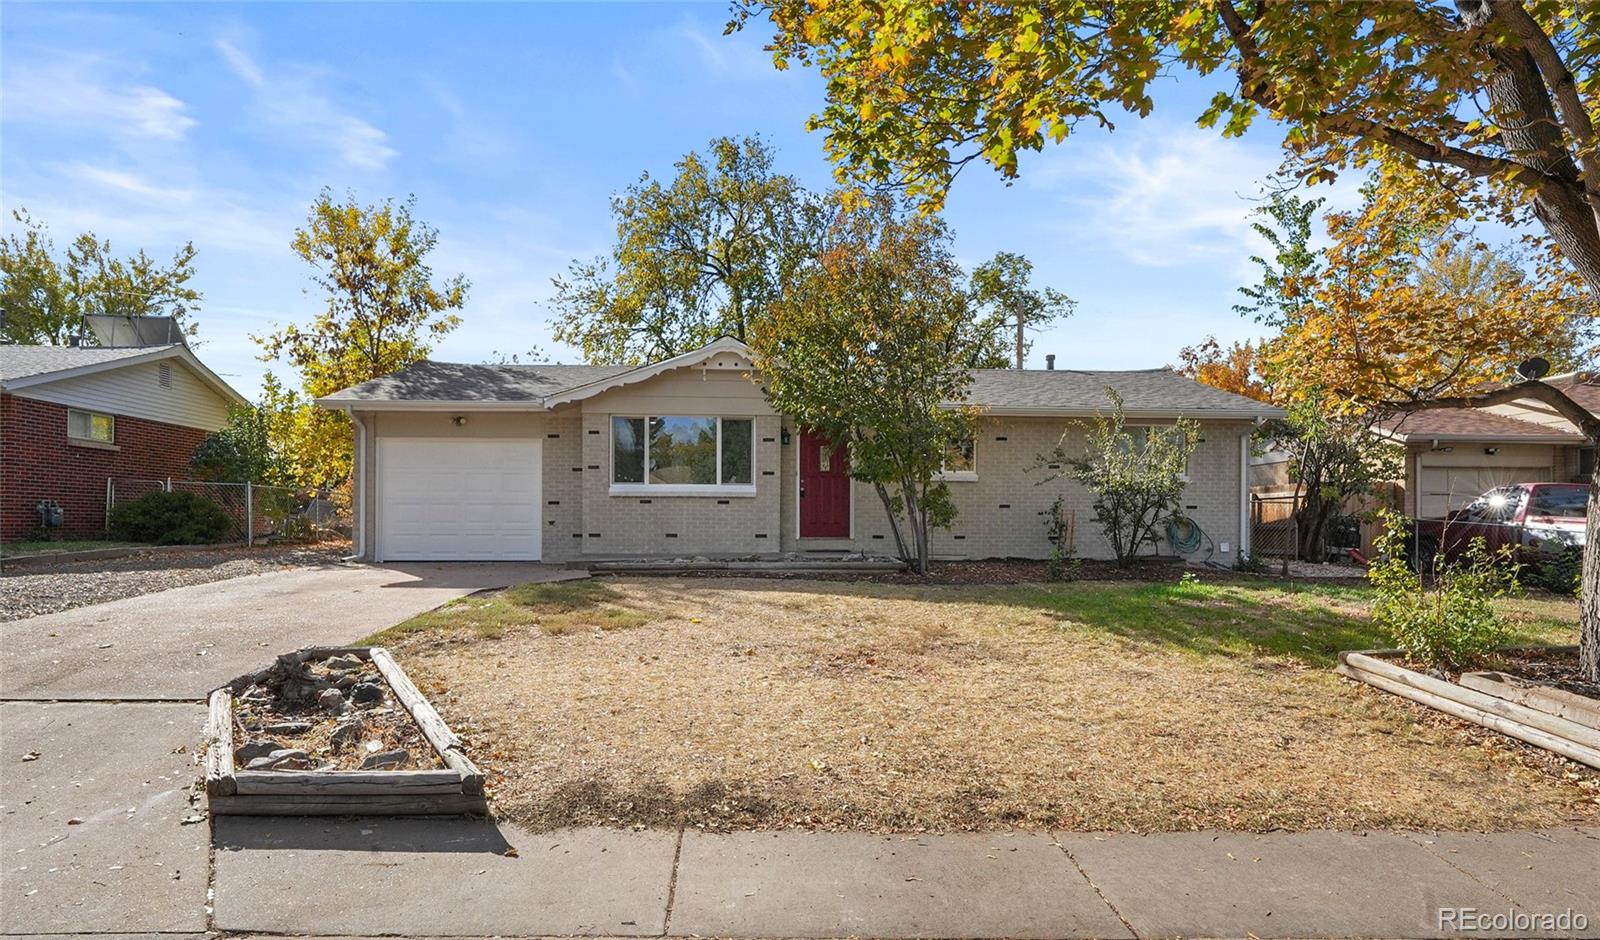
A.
x: 177, y: 645
x: 101, y: 712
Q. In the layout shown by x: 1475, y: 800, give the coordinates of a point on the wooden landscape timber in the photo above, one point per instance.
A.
x: 1518, y: 719
x: 230, y: 791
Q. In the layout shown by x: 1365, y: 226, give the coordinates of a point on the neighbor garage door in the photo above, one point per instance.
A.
x: 1447, y: 488
x: 458, y: 500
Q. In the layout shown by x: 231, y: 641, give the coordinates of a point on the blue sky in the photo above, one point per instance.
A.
x: 512, y: 124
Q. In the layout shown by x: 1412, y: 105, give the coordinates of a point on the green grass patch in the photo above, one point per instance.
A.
x: 1310, y: 623
x: 556, y: 608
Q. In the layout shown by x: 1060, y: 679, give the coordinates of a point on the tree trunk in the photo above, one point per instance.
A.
x: 1533, y: 135
x: 894, y: 523
x: 1589, y: 592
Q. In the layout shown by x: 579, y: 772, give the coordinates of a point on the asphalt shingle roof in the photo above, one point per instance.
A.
x: 465, y: 382
x: 1156, y: 391
x: 1469, y: 423
x: 1152, y: 391
x: 22, y: 362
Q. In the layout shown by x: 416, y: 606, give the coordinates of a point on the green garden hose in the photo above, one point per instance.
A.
x: 1184, y: 534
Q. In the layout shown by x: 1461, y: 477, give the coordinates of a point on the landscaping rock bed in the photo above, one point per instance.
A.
x: 332, y: 714
x: 46, y: 588
x: 332, y: 731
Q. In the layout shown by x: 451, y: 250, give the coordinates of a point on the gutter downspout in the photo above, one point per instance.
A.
x: 359, y: 543
x: 1244, y: 492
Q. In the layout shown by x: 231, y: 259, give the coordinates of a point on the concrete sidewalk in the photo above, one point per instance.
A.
x: 436, y: 877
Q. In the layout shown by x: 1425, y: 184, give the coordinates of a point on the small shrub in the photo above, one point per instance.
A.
x: 1250, y: 563
x: 1453, y: 623
x: 1558, y: 573
x: 1061, y: 530
x: 175, y: 518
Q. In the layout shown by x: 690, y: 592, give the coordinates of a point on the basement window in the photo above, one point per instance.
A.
x: 91, y: 426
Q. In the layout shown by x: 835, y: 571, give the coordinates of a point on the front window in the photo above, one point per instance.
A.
x: 682, y: 451
x: 91, y: 426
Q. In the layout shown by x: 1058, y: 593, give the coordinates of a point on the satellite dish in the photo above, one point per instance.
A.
x: 1536, y: 368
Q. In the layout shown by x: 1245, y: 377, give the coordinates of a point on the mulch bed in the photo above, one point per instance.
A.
x: 989, y: 571
x: 332, y: 714
x: 1555, y: 666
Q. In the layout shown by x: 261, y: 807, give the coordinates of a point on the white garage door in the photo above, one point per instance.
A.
x: 1447, y: 488
x: 458, y: 500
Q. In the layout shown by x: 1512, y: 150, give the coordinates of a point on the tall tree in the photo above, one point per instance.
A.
x: 1499, y: 94
x: 1009, y: 307
x: 383, y: 312
x: 695, y: 258
x: 44, y: 299
x: 869, y: 346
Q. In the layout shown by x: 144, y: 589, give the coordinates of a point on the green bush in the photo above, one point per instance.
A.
x: 175, y: 518
x: 1452, y: 623
x: 1558, y: 573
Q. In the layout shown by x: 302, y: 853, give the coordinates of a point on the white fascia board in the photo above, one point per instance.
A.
x: 650, y: 370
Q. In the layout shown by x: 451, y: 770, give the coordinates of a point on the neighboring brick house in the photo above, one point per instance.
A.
x: 687, y: 457
x: 73, y: 417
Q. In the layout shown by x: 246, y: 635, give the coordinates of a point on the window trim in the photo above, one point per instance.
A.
x: 1188, y: 462
x: 92, y: 441
x: 959, y: 476
x: 646, y: 488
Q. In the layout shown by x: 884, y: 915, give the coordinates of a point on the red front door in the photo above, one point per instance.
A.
x: 824, y: 489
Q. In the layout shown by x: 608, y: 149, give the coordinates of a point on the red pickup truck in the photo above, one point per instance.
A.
x: 1535, y: 520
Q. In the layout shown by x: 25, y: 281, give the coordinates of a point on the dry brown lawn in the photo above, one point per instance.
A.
x: 758, y: 703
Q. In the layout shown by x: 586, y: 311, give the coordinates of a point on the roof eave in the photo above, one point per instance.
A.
x: 1198, y: 414
x: 335, y: 403
x: 175, y: 351
x: 649, y: 370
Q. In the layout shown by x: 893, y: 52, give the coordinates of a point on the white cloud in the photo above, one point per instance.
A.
x: 733, y: 56
x: 76, y: 91
x: 289, y: 97
x: 1164, y: 195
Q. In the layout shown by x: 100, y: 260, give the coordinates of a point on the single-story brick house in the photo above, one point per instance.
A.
x: 72, y: 417
x: 1454, y: 455
x: 687, y: 457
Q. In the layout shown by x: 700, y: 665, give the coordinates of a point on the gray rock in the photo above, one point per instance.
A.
x: 345, y: 681
x: 347, y: 734
x: 282, y: 759
x: 366, y: 693
x: 332, y: 700
x: 287, y: 727
x: 387, y: 760
x: 343, y: 662
x: 249, y: 752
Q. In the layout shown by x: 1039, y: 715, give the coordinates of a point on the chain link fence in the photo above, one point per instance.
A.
x: 259, y: 513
